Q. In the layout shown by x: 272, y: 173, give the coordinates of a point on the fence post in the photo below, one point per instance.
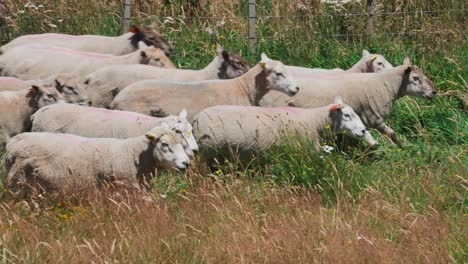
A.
x: 370, y: 20
x: 2, y: 13
x: 3, y: 22
x: 127, y: 15
x: 252, y: 19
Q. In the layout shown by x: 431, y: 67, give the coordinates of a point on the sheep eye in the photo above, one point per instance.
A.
x: 157, y: 59
x: 347, y: 116
x: 164, y: 145
x: 178, y: 131
x: 416, y: 78
x: 380, y: 63
x: 279, y: 74
x: 71, y: 89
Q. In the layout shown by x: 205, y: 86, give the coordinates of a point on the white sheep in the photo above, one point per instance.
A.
x: 161, y: 98
x: 248, y: 128
x: 104, y: 84
x: 103, y: 123
x: 368, y: 63
x: 71, y: 89
x: 121, y: 45
x: 30, y: 62
x: 371, y: 95
x: 16, y: 108
x: 68, y: 164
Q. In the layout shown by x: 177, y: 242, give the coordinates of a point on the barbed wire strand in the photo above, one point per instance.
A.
x: 262, y: 17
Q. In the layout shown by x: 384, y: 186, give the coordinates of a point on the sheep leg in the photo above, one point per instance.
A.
x: 370, y: 139
x: 385, y: 129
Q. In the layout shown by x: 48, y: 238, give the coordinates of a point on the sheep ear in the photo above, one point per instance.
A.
x: 335, y: 107
x: 407, y: 61
x: 183, y: 114
x: 219, y: 48
x: 134, y: 29
x: 149, y: 136
x: 60, y: 79
x: 33, y: 90
x: 142, y: 45
x: 365, y: 53
x: 265, y: 57
x: 408, y: 69
x: 338, y: 100
x: 338, y: 104
x: 225, y: 55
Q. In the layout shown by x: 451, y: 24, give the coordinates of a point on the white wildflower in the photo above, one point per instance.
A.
x: 220, y: 23
x: 169, y: 20
x: 327, y: 149
x: 209, y: 30
x: 301, y: 6
x: 52, y: 25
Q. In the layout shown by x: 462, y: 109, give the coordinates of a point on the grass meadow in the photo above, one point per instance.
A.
x: 291, y: 203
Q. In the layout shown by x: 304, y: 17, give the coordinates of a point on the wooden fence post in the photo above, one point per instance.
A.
x: 127, y: 15
x: 3, y: 22
x: 252, y: 19
x: 3, y: 13
x: 370, y: 20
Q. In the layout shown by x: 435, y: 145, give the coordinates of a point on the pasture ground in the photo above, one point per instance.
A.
x: 291, y: 204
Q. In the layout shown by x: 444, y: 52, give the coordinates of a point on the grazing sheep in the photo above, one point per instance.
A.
x: 368, y: 63
x: 16, y: 108
x: 39, y: 62
x: 250, y: 128
x: 161, y: 98
x: 67, y: 164
x: 121, y: 45
x: 102, y: 123
x: 371, y: 95
x: 104, y: 84
x: 70, y: 88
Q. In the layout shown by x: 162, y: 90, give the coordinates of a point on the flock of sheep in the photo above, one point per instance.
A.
x: 116, y: 109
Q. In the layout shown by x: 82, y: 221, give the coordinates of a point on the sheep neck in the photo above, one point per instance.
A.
x: 318, y: 119
x: 380, y: 101
x: 253, y: 84
x: 142, y: 151
x: 359, y: 67
x: 132, y: 58
x: 395, y: 82
x: 212, y: 70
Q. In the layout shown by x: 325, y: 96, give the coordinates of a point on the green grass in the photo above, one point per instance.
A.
x: 427, y: 176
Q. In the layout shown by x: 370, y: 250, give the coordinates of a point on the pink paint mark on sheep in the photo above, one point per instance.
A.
x: 268, y: 110
x: 73, y: 52
x: 11, y: 80
x: 56, y: 36
x: 330, y: 76
x: 123, y: 114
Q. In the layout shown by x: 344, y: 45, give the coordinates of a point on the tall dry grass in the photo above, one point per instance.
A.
x: 231, y: 223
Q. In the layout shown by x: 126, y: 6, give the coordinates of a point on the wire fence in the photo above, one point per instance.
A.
x: 339, y: 25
